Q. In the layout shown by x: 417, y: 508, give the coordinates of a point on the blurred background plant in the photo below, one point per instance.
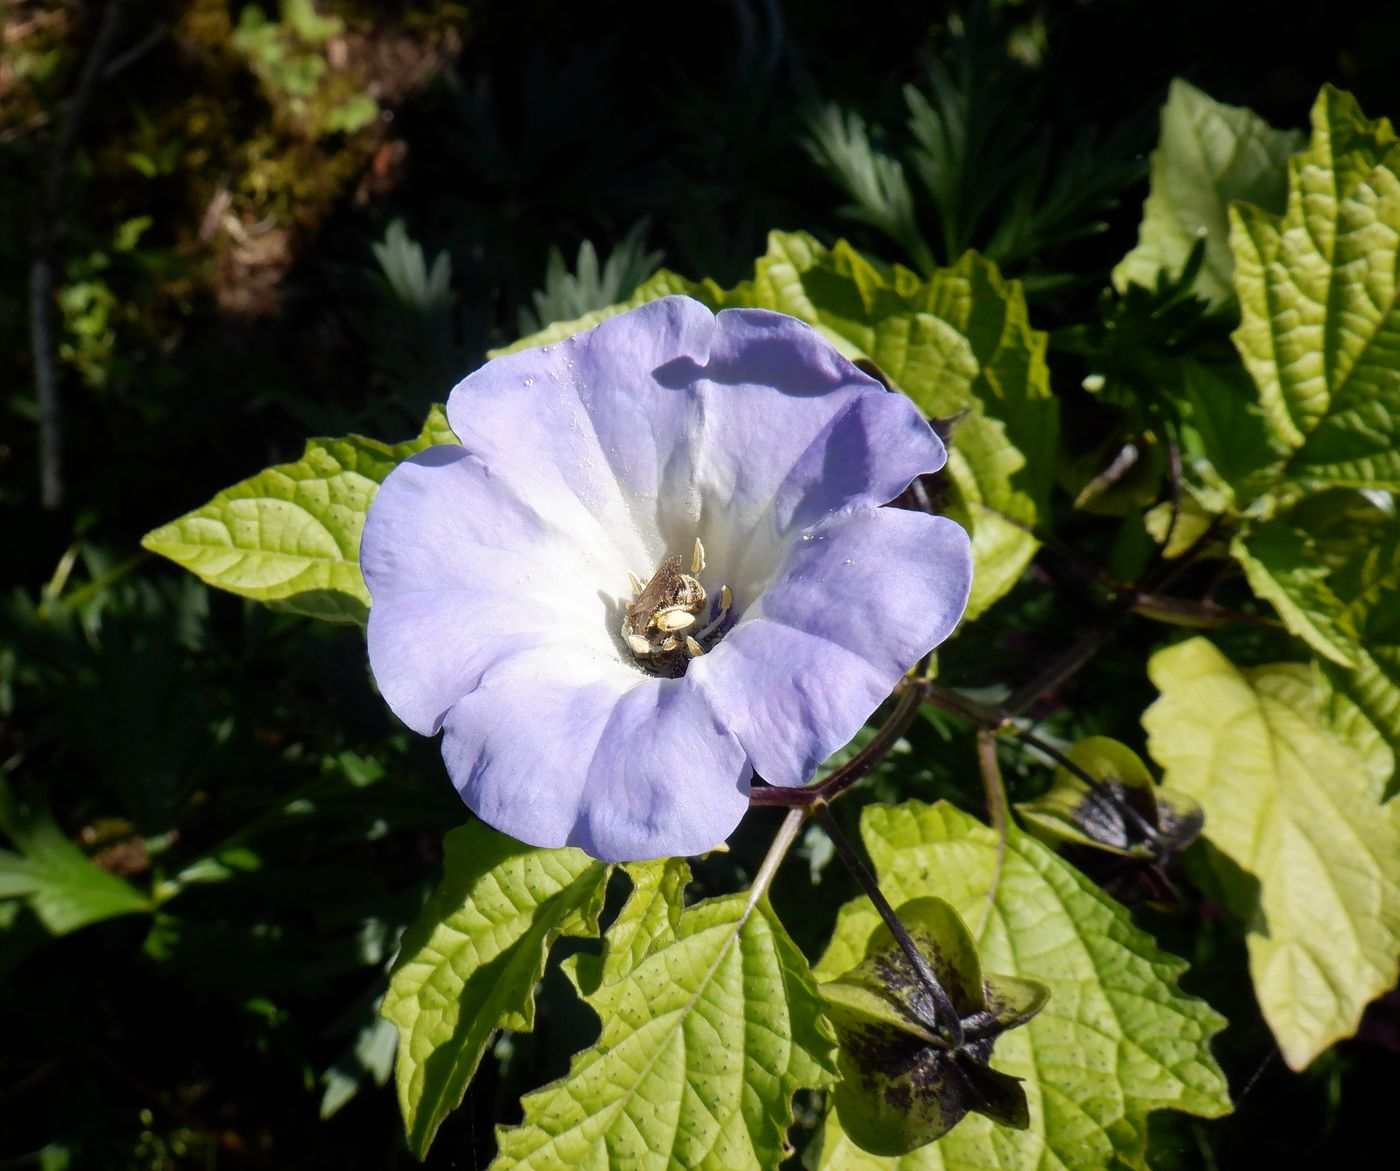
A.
x: 225, y: 226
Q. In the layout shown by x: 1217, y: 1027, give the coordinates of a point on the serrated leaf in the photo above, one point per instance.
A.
x: 65, y: 889
x: 1207, y: 155
x: 470, y: 963
x: 1320, y: 328
x: 290, y: 536
x: 1296, y: 808
x: 1117, y: 1039
x: 959, y: 340
x: 705, y: 1038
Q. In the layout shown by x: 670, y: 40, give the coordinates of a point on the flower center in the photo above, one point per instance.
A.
x: 671, y: 619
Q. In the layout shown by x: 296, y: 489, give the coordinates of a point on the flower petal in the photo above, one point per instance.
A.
x: 669, y: 422
x: 552, y: 752
x: 462, y: 572
x: 856, y: 602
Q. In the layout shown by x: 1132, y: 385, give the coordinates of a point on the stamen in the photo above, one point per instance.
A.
x: 721, y: 616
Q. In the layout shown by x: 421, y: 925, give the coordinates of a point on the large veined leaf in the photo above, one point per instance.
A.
x: 1117, y: 1039
x: 470, y: 963
x: 1320, y: 328
x: 1208, y: 154
x: 290, y: 536
x: 63, y: 887
x: 959, y: 341
x: 707, y: 1031
x: 1296, y: 808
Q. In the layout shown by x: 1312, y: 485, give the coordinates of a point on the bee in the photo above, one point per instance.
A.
x: 659, y: 626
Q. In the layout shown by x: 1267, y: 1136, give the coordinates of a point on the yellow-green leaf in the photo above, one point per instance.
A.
x: 470, y: 963
x: 1297, y: 809
x: 1207, y: 155
x: 706, y: 1034
x: 1320, y: 327
x: 290, y: 535
x: 1117, y: 1039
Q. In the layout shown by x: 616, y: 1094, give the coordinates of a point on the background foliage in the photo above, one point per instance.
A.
x: 272, y: 221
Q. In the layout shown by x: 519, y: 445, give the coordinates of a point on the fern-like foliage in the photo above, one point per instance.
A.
x: 969, y: 169
x: 566, y: 295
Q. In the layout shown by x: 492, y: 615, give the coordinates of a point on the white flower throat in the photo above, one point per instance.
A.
x: 663, y: 624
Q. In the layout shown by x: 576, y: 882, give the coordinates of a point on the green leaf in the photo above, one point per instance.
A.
x: 1368, y: 583
x: 960, y: 340
x: 470, y: 963
x: 1296, y: 808
x: 1320, y: 327
x: 1117, y: 1039
x: 1282, y: 564
x: 63, y: 887
x: 707, y: 1033
x: 1226, y: 438
x: 290, y: 536
x: 1207, y: 155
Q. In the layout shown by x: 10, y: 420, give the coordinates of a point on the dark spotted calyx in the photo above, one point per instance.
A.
x: 1127, y: 814
x: 903, y: 1084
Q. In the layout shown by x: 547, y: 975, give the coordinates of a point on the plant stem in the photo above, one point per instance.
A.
x: 996, y: 721
x: 946, y: 1014
x: 782, y: 843
x: 997, y: 813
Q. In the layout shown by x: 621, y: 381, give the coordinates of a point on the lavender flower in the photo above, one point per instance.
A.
x: 656, y: 564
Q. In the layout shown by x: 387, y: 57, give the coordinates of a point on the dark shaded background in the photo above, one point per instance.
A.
x: 164, y: 725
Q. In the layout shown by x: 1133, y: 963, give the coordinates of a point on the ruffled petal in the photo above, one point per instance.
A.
x: 462, y: 573
x: 669, y: 423
x: 556, y: 753
x: 856, y: 602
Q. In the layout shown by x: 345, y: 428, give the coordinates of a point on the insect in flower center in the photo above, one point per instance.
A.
x: 663, y: 625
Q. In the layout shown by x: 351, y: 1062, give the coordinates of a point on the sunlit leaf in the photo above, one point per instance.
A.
x: 1117, y: 1039
x: 1320, y: 329
x: 1296, y: 809
x: 290, y: 536
x: 470, y: 963
x: 706, y: 1034
x: 1207, y: 155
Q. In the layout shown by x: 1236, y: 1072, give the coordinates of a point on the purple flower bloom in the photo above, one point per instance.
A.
x: 538, y: 593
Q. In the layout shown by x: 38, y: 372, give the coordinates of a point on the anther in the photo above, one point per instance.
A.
x: 637, y: 583
x: 697, y: 557
x: 673, y: 618
x: 638, y: 645
x: 693, y: 648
